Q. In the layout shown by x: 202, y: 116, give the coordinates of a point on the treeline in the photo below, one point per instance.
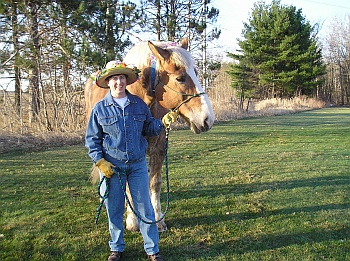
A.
x: 336, y: 49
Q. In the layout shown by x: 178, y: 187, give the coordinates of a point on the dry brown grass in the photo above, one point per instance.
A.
x: 39, y: 141
x: 230, y: 110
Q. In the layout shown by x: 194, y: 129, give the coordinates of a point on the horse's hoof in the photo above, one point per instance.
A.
x: 132, y: 224
x: 132, y: 228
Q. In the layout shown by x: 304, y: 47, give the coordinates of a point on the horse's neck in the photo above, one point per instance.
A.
x: 142, y: 88
x: 142, y: 93
x: 157, y: 110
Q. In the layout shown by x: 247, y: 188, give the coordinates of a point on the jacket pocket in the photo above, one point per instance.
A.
x: 110, y: 125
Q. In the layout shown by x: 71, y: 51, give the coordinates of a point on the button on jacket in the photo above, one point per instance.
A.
x: 118, y: 134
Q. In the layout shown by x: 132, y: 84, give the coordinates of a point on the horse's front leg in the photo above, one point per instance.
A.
x: 156, y: 154
x: 155, y: 185
x: 132, y: 223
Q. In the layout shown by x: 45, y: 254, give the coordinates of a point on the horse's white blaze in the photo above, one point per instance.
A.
x: 206, y: 114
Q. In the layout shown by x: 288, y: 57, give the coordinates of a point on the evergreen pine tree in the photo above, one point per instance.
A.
x: 279, y: 48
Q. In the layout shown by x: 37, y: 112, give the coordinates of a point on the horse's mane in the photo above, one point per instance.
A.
x: 140, y: 55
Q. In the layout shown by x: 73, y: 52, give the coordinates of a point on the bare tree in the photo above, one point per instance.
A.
x: 33, y: 72
x: 16, y: 49
x: 337, y: 55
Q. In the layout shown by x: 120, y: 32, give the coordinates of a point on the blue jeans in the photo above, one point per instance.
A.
x: 136, y: 174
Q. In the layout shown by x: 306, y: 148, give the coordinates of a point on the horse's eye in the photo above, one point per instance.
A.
x: 181, y: 79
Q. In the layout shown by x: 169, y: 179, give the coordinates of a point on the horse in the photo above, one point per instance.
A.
x: 167, y: 81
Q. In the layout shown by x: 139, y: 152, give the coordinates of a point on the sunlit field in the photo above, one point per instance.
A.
x: 264, y: 188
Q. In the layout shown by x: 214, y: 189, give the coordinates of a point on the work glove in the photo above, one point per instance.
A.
x: 170, y: 118
x: 105, y: 167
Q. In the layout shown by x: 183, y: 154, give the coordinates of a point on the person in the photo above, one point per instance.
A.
x: 115, y: 138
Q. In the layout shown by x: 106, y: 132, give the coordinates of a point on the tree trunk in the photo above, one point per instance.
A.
x: 204, y: 48
x: 189, y: 26
x: 35, y: 51
x: 16, y: 51
x: 158, y: 20
x: 110, y: 42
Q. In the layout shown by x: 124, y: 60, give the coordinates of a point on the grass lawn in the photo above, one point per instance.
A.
x: 273, y: 188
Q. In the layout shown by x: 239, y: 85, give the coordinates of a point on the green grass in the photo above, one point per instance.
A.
x: 274, y: 188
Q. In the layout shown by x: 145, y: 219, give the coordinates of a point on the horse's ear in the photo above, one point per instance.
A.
x: 158, y: 52
x: 184, y: 43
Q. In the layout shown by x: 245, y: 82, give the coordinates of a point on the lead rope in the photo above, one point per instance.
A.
x: 105, y: 196
x: 102, y: 198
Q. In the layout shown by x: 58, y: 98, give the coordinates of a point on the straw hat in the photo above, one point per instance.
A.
x: 115, y: 68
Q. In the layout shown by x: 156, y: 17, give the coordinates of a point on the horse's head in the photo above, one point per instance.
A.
x: 176, y: 85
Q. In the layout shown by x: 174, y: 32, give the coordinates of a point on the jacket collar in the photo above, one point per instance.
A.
x: 108, y: 100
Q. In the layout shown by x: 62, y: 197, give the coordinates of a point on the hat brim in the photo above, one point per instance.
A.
x: 131, y: 76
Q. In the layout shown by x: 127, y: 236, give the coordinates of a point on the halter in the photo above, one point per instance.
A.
x: 190, y: 96
x: 155, y: 73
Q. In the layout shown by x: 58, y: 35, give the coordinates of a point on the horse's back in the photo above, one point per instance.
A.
x: 138, y: 55
x: 92, y: 94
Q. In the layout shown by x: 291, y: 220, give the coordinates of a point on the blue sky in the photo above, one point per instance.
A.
x: 234, y: 12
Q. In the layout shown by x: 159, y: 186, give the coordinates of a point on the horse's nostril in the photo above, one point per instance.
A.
x: 207, y: 125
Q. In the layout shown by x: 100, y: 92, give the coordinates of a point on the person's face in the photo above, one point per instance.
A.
x: 117, y: 85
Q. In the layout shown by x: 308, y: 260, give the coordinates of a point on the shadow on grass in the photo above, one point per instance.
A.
x: 273, y: 241
x: 217, y: 218
x: 235, y: 246
x: 241, y: 189
x: 232, y: 245
x: 276, y: 241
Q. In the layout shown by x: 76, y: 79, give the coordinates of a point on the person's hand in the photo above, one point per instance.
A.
x: 170, y: 118
x: 105, y: 167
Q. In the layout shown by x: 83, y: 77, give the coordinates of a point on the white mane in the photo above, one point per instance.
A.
x: 140, y: 55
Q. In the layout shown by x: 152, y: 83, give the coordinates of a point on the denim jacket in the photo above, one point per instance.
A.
x: 119, y: 135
